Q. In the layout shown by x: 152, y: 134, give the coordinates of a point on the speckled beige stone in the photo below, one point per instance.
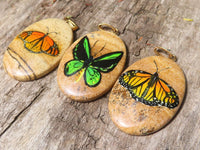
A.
x: 24, y: 65
x: 136, y: 118
x: 77, y: 89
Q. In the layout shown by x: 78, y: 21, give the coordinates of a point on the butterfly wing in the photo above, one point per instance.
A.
x: 81, y: 53
x: 38, y: 42
x: 82, y: 49
x: 165, y: 94
x: 92, y: 76
x: 141, y: 88
x: 107, y: 62
x: 49, y: 46
x: 72, y: 67
x: 104, y: 63
x: 136, y: 82
x: 32, y: 40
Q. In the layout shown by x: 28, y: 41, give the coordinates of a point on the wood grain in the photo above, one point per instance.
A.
x: 36, y: 115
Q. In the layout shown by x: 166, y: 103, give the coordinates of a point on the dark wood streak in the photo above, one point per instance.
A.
x: 9, y: 49
x: 18, y: 63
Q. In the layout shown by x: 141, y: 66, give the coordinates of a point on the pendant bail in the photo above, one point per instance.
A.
x: 158, y: 50
x: 108, y: 27
x: 71, y: 23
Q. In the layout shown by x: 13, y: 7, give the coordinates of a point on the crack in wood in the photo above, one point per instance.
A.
x: 88, y: 138
x: 11, y: 90
x: 126, y: 25
x: 22, y: 111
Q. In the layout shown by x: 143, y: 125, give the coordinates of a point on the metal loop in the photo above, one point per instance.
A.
x: 158, y: 51
x: 71, y: 23
x: 108, y: 27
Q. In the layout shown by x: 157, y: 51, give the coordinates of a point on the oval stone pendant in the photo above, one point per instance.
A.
x: 147, y: 95
x: 91, y: 65
x: 38, y: 49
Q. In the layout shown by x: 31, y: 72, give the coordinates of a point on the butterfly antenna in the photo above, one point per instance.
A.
x: 164, y: 69
x: 53, y: 32
x: 47, y: 30
x: 161, y: 69
x: 100, y: 50
x: 156, y: 66
x: 50, y: 32
x: 94, y: 44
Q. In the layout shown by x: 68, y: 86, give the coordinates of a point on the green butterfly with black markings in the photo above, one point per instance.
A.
x: 92, y: 67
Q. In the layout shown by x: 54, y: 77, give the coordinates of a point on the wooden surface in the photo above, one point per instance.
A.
x: 36, y: 115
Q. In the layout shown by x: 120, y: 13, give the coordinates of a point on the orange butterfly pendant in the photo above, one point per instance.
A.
x: 148, y: 94
x: 38, y: 42
x: 149, y: 88
x: 37, y: 50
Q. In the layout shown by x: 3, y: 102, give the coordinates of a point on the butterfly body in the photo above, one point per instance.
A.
x: 88, y: 62
x: 149, y: 88
x: 154, y: 78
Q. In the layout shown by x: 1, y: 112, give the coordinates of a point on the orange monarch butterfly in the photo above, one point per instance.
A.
x: 149, y: 88
x: 38, y: 42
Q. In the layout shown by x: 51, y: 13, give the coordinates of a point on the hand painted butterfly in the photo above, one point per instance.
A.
x: 149, y: 88
x: 92, y: 67
x: 38, y: 42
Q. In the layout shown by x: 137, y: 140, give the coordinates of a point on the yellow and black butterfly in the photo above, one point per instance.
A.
x: 149, y: 88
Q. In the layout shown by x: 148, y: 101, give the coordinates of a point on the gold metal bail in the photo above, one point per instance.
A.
x: 158, y: 51
x: 71, y: 23
x: 108, y: 27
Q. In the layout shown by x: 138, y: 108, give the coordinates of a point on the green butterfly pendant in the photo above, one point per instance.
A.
x: 91, y: 67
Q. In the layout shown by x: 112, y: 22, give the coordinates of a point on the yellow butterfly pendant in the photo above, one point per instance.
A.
x: 149, y: 88
x: 148, y: 94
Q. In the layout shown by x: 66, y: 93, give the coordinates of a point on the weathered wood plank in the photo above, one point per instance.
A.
x: 36, y: 115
